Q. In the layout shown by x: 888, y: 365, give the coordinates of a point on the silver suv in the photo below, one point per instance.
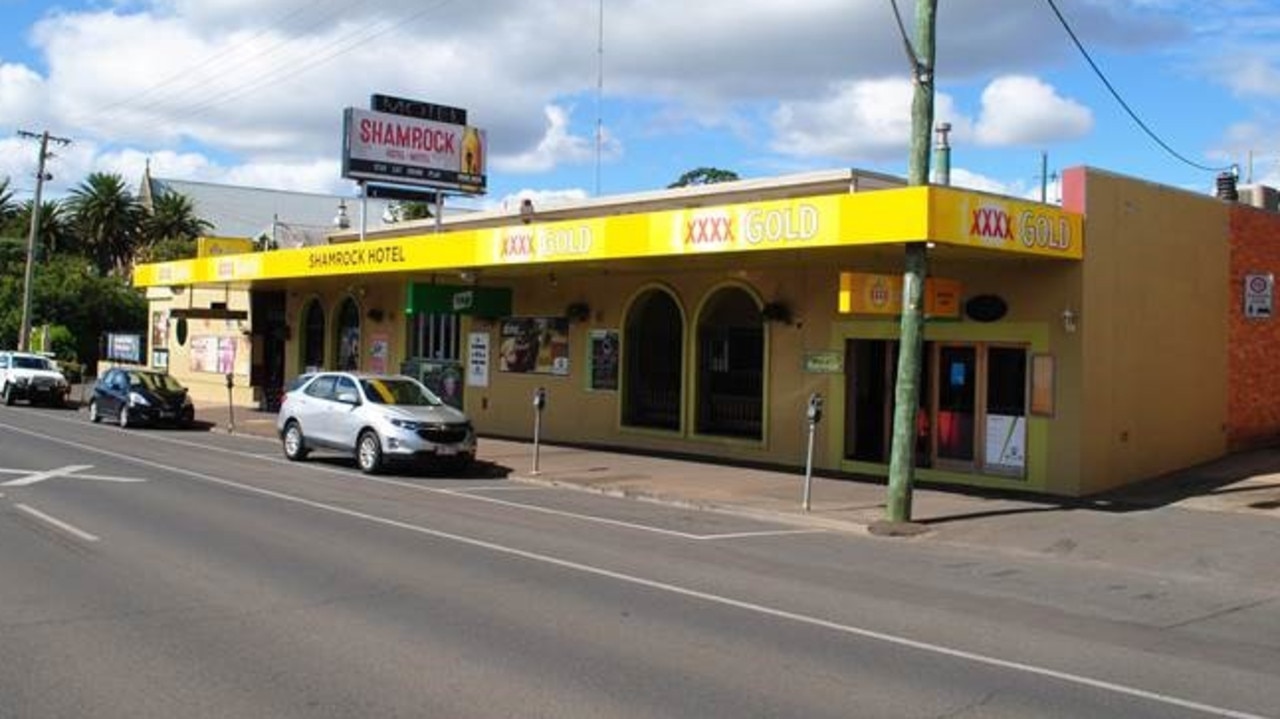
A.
x: 32, y: 377
x: 379, y: 418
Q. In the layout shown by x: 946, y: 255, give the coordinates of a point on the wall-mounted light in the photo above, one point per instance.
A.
x: 341, y: 220
x: 1069, y: 319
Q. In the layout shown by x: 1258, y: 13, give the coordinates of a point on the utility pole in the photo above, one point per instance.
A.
x: 907, y: 391
x: 24, y: 334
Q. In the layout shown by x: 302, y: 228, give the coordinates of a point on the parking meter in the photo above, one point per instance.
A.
x: 231, y: 407
x: 814, y: 413
x: 815, y: 408
x: 539, y: 404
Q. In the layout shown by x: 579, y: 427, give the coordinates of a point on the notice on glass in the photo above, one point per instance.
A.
x: 478, y: 359
x: 1006, y: 442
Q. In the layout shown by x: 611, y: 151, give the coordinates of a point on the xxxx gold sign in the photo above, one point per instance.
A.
x: 998, y: 223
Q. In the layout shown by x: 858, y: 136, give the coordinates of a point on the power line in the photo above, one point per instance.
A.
x: 1097, y: 71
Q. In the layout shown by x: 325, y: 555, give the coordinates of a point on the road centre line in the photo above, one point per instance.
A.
x: 675, y: 589
x: 472, y: 495
x: 54, y: 521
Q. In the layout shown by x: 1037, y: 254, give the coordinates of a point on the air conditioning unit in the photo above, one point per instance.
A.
x: 1261, y: 196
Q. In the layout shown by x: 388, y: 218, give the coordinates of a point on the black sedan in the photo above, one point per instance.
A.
x: 140, y: 396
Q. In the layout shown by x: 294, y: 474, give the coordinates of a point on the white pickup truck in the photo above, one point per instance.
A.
x: 32, y: 377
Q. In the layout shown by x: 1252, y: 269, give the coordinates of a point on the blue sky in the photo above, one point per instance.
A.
x: 251, y: 91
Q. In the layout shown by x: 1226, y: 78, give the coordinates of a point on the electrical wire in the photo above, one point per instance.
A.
x: 188, y: 72
x: 344, y: 44
x: 1097, y: 71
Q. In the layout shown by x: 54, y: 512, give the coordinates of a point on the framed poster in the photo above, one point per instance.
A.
x: 603, y: 359
x: 478, y: 359
x: 534, y: 345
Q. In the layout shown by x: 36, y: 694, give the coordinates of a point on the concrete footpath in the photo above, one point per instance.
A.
x: 1215, y: 521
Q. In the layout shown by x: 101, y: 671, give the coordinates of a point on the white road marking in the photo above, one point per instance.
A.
x: 37, y: 477
x: 71, y: 471
x: 707, y: 597
x: 54, y: 521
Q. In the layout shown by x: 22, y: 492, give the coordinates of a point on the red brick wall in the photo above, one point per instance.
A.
x: 1253, y: 379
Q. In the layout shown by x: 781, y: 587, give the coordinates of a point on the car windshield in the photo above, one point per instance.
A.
x: 21, y: 362
x: 154, y: 381
x: 398, y: 391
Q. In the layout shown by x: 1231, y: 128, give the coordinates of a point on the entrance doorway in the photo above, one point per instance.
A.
x: 973, y: 405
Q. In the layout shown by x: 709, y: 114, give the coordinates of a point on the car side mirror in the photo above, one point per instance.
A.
x: 348, y: 397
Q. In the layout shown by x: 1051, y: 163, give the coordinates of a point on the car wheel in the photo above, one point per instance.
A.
x: 295, y: 445
x: 123, y: 417
x: 8, y: 395
x: 369, y: 452
x: 93, y: 412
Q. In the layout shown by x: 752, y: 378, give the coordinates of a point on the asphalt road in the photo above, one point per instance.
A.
x: 154, y: 573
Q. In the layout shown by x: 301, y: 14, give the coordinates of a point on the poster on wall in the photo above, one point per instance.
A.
x: 604, y: 359
x: 349, y: 347
x: 379, y: 349
x: 478, y: 359
x: 1006, y: 442
x: 226, y: 355
x: 215, y: 355
x: 159, y: 330
x: 160, y: 359
x: 535, y: 345
x: 204, y: 353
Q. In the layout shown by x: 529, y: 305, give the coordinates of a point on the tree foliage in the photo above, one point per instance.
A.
x: 86, y: 246
x: 109, y: 220
x: 704, y: 176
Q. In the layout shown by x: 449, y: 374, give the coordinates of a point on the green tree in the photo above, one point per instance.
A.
x: 109, y: 220
x: 173, y: 248
x: 173, y: 217
x: 7, y: 207
x: 56, y: 232
x: 704, y: 176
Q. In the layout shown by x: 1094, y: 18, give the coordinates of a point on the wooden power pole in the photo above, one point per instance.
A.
x: 24, y: 334
x: 907, y: 391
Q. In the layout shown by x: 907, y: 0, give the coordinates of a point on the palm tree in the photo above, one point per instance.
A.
x: 109, y: 219
x: 7, y: 207
x: 56, y: 233
x: 173, y: 217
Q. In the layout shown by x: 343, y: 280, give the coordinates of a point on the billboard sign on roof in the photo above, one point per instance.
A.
x: 398, y: 149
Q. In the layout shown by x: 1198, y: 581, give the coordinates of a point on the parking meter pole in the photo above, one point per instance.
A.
x: 808, y: 467
x: 539, y: 403
x: 814, y: 414
x: 231, y: 407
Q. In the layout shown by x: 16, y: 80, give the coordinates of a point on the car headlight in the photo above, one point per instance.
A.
x: 407, y: 424
x: 137, y: 400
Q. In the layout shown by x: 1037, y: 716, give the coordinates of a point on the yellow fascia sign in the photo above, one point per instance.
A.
x: 911, y: 214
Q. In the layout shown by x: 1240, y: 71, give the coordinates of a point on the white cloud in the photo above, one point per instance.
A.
x: 544, y: 199
x: 866, y: 121
x: 1022, y: 110
x: 557, y: 146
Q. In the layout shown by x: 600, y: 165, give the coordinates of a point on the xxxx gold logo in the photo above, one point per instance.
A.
x: 991, y: 223
x: 708, y: 230
x: 517, y: 245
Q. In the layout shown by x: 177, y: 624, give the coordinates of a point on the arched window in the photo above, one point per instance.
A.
x: 348, y: 337
x: 730, y: 393
x: 313, y: 337
x: 653, y: 345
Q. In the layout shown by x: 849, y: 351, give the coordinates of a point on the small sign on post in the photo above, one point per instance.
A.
x: 1259, y: 294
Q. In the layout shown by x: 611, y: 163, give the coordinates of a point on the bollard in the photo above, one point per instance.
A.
x: 539, y: 403
x: 231, y: 408
x: 814, y: 415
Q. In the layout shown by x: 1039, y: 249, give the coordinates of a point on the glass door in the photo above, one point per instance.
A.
x: 957, y: 401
